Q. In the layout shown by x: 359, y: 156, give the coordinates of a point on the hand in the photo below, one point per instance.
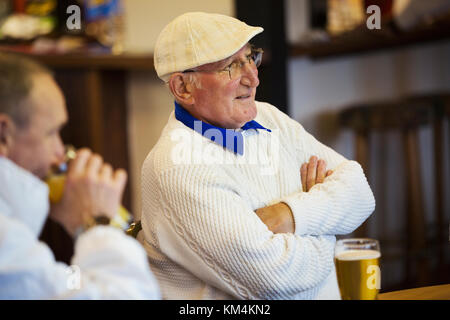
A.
x: 92, y: 189
x: 278, y: 218
x: 313, y: 173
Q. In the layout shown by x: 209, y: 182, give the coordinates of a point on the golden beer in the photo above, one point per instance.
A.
x: 55, y: 187
x: 358, y: 269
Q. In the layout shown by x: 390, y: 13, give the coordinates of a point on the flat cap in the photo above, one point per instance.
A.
x: 197, y: 38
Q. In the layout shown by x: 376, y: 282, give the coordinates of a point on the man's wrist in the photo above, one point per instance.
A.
x: 92, y: 222
x: 278, y: 218
x: 288, y: 216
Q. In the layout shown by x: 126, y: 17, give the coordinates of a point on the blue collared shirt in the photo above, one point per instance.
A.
x: 228, y: 138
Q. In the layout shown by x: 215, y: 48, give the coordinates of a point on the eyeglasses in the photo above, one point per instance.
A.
x: 234, y: 69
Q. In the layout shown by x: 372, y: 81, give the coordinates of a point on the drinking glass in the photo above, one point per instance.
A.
x: 358, y: 268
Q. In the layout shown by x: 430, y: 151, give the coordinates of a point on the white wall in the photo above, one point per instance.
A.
x: 146, y: 18
x: 149, y: 101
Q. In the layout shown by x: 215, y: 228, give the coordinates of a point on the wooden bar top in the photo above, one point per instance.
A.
x: 441, y: 292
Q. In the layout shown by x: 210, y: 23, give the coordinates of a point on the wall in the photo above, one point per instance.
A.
x: 150, y: 103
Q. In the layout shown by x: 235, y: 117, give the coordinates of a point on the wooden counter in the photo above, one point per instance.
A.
x: 441, y: 292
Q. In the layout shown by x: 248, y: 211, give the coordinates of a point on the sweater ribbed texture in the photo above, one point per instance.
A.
x: 202, y: 236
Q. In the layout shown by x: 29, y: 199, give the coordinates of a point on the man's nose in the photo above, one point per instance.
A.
x: 59, y: 151
x: 249, y: 75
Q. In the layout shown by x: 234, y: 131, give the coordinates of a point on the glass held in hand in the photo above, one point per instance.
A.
x: 358, y: 268
x: 56, y: 180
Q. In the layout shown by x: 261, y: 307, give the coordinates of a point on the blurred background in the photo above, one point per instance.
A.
x: 374, y: 85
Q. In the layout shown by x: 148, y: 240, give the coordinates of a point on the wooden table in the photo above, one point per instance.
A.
x: 441, y: 292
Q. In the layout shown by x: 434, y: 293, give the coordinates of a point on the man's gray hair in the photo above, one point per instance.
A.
x: 16, y: 82
x: 193, y: 78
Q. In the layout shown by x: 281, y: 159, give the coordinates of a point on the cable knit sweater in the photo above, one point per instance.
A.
x: 202, y: 236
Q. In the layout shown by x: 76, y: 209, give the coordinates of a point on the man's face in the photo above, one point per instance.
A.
x: 38, y: 145
x: 224, y: 102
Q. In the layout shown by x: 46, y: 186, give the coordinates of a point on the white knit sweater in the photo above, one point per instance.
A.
x: 202, y: 236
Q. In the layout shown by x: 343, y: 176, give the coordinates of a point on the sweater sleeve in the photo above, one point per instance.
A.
x: 107, y: 265
x: 342, y: 202
x: 209, y: 229
x: 337, y: 206
x: 114, y: 266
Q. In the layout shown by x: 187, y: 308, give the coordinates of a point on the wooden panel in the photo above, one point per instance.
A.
x: 415, y: 217
x: 362, y: 150
x: 115, y: 125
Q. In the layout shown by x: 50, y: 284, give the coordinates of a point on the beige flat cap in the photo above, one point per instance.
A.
x: 197, y: 38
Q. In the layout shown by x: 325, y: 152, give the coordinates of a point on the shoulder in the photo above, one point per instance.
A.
x: 160, y: 157
x: 179, y: 151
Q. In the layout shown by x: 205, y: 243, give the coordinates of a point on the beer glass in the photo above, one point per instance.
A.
x: 56, y: 180
x: 357, y: 268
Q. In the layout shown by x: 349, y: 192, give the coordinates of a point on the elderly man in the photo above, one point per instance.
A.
x: 107, y: 264
x: 237, y: 199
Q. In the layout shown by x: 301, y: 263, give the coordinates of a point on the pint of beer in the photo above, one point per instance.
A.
x: 358, y: 269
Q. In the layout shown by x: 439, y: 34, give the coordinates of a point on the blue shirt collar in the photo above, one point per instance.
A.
x: 228, y: 138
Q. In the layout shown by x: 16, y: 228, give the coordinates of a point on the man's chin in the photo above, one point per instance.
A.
x: 251, y: 112
x: 43, y: 175
x: 249, y: 117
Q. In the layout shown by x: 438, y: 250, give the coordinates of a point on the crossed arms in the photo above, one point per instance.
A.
x: 278, y: 217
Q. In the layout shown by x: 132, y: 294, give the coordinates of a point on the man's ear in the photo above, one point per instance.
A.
x: 7, y: 127
x: 181, y: 89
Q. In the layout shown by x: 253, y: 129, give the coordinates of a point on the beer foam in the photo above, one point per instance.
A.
x: 358, y: 255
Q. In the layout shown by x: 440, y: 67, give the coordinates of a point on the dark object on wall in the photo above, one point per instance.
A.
x: 268, y: 14
x: 385, y: 6
x: 318, y: 14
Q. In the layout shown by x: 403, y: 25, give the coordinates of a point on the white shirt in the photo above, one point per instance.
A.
x: 107, y: 264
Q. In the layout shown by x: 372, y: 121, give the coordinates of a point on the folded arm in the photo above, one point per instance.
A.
x: 278, y: 217
x: 339, y: 205
x: 325, y: 203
